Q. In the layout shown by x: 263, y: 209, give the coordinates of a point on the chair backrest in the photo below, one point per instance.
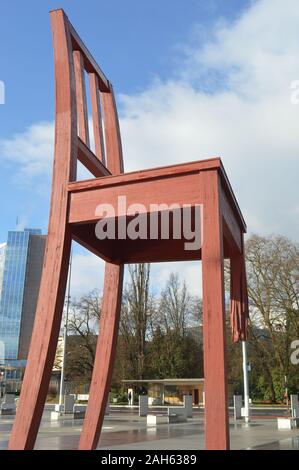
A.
x: 73, y: 62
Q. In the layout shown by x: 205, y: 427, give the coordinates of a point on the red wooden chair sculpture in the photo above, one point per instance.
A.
x: 73, y: 216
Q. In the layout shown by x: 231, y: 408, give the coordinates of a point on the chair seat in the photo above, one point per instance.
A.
x: 169, y: 189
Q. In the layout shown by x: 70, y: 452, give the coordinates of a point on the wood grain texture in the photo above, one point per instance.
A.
x: 147, y: 175
x: 111, y: 303
x: 90, y: 64
x: 97, y: 117
x: 231, y: 197
x: 216, y: 406
x: 104, y: 359
x: 231, y: 222
x: 54, y: 276
x: 91, y: 161
x: 177, y: 189
x: 135, y: 251
x: 114, y: 156
x: 82, y: 114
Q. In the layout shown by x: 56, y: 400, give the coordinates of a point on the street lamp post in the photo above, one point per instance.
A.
x: 1, y: 384
x: 66, y: 317
x: 246, y: 383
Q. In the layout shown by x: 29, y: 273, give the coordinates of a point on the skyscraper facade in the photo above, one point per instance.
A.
x: 23, y: 260
x: 2, y: 259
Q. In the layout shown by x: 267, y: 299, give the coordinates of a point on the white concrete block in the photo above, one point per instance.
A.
x: 58, y: 408
x: 284, y: 423
x: 54, y: 415
x: 151, y: 420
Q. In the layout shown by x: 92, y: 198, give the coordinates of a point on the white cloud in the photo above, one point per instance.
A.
x: 189, y: 271
x: 248, y: 120
x: 87, y: 274
x: 231, y: 98
x: 31, y: 149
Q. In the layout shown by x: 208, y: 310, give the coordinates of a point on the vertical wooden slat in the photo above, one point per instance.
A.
x: 114, y: 157
x: 96, y: 117
x: 104, y: 358
x: 107, y: 339
x: 216, y: 406
x: 54, y: 277
x: 82, y: 114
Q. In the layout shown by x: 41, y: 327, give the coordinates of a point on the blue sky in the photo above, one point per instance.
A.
x: 134, y: 41
x: 193, y: 78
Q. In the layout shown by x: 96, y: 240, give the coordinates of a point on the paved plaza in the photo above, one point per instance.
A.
x: 125, y: 430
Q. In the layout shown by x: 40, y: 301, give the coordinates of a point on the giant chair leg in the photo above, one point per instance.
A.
x: 104, y: 359
x: 43, y: 343
x: 56, y: 262
x: 216, y: 410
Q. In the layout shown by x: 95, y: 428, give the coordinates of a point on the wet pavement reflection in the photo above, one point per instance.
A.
x: 125, y: 430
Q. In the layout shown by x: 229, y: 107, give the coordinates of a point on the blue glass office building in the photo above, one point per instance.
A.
x: 24, y: 253
x: 2, y: 259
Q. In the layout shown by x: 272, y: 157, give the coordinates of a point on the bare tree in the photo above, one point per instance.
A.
x: 178, y: 310
x: 176, y: 345
x: 137, y: 310
x: 83, y: 329
x: 273, y: 289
